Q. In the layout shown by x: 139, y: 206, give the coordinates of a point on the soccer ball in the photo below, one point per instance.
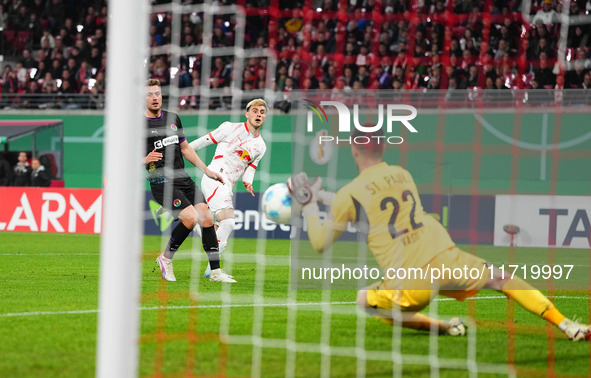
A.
x: 277, y: 203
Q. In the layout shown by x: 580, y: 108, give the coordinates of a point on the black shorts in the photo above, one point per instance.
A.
x: 184, y: 193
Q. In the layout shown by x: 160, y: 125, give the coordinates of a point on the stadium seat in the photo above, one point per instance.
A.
x: 44, y: 24
x: 9, y: 38
x: 459, y: 31
x: 57, y: 184
x: 21, y: 40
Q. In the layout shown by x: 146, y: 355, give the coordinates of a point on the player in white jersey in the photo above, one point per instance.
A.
x: 239, y: 149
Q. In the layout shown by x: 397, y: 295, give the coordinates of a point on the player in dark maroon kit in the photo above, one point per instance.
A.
x: 171, y: 185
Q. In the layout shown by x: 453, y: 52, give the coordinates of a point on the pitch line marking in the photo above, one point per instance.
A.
x: 95, y: 311
x: 49, y: 254
x: 531, y: 146
x: 297, y: 304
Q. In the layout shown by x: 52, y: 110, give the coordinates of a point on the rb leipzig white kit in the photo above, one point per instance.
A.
x: 237, y: 155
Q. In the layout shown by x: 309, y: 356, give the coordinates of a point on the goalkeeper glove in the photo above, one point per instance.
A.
x: 326, y: 197
x: 304, y: 195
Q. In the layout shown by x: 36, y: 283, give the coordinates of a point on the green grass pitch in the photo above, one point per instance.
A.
x: 48, y: 320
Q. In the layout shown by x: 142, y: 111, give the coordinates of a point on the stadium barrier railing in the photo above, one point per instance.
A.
x: 424, y: 98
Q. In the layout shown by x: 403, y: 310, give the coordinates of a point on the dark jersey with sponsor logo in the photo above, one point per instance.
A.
x: 165, y: 134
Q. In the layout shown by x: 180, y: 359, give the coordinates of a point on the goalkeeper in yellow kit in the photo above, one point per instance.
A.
x: 402, y: 235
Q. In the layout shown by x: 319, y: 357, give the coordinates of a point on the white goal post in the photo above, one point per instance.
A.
x: 121, y: 239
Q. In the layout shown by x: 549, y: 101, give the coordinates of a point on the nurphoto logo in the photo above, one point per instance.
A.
x: 392, y: 115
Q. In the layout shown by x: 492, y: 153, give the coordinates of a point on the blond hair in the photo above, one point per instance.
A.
x: 256, y: 102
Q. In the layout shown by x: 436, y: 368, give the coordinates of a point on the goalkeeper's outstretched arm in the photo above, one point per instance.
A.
x: 326, y: 197
x: 305, y: 197
x: 322, y: 236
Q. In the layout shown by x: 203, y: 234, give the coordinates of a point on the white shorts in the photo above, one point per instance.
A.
x: 218, y: 196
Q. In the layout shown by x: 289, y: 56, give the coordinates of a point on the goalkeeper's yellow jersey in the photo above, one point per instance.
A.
x: 384, y: 202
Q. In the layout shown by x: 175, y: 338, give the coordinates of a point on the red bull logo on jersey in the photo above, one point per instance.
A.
x: 243, y: 155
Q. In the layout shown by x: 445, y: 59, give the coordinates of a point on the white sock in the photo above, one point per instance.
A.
x: 225, y: 228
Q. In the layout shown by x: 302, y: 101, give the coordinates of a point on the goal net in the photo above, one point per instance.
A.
x: 482, y: 160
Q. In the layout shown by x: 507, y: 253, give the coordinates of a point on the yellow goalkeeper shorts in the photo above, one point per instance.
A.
x: 459, y: 286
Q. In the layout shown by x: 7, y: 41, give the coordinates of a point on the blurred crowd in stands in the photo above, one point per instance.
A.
x: 343, y: 45
x: 58, y: 48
